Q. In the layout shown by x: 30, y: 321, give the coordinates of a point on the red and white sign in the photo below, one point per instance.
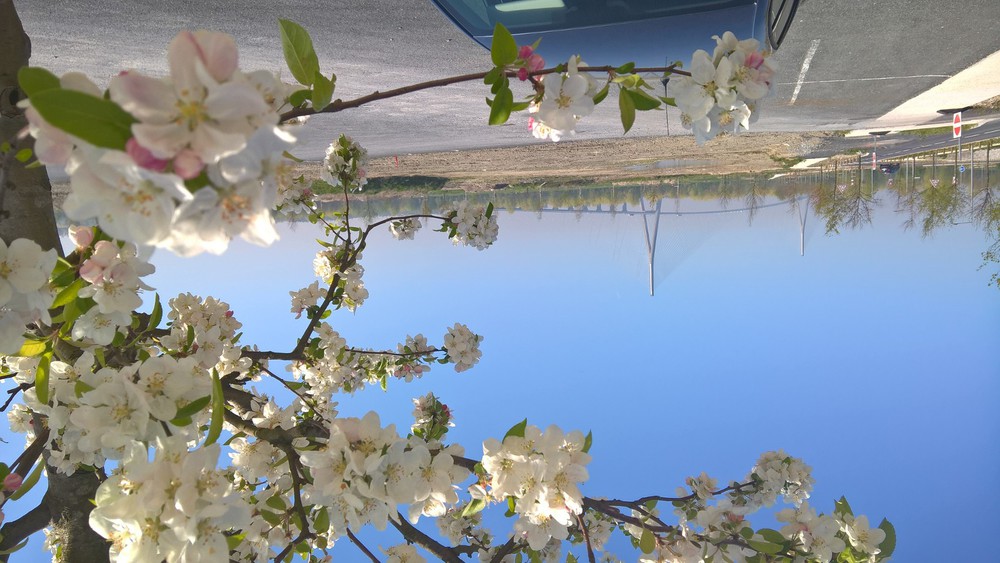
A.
x: 956, y: 126
x: 873, y: 162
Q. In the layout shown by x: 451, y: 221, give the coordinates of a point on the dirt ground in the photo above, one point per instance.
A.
x: 646, y: 157
x: 603, y: 160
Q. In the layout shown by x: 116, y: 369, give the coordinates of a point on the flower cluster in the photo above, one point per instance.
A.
x: 365, y: 471
x: 205, y: 330
x: 24, y: 290
x: 344, y: 165
x: 432, y: 418
x: 721, y: 93
x: 177, y: 507
x: 471, y: 225
x: 541, y: 471
x: 568, y: 97
x: 201, y: 164
x: 462, y: 346
x: 778, y: 473
x: 112, y: 272
x: 404, y: 229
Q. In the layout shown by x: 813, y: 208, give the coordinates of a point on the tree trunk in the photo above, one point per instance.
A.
x: 26, y: 211
x: 25, y: 193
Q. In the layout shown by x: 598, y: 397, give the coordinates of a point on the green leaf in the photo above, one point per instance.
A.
x: 97, y: 121
x: 773, y: 536
x: 489, y: 210
x: 625, y: 68
x: 600, y: 95
x: 157, y: 315
x: 28, y: 482
x: 642, y: 100
x: 627, y: 108
x: 299, y: 52
x: 520, y: 106
x: 502, y: 104
x: 292, y: 157
x: 647, y: 542
x: 477, y: 505
x: 322, y: 91
x: 4, y: 470
x: 23, y: 155
x: 511, y: 507
x: 15, y: 548
x: 588, y: 441
x: 516, y: 430
x: 32, y: 348
x: 570, y: 558
x: 503, y: 49
x: 747, y: 533
x: 299, y: 97
x: 33, y: 79
x: 68, y: 293
x: 493, y: 75
x: 218, y: 410
x: 842, y: 507
x: 764, y: 547
x: 270, y: 517
x: 888, y: 545
x: 669, y: 101
x: 42, y: 377
x: 276, y: 502
x: 190, y: 409
x: 322, y: 521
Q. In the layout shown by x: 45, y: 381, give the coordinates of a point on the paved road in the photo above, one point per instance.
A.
x: 864, y: 57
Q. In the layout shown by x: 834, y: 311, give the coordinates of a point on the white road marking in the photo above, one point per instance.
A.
x: 868, y: 79
x: 805, y: 68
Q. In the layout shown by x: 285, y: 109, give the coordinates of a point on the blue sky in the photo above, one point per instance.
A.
x: 872, y: 356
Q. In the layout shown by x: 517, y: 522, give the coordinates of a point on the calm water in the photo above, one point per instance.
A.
x: 870, y: 353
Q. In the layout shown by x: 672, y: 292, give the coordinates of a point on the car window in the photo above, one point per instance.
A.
x: 478, y: 17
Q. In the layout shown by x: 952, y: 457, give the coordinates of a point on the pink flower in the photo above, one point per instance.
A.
x: 754, y: 59
x: 12, y: 482
x: 81, y: 236
x: 535, y: 62
x: 525, y: 51
x: 143, y: 157
x: 187, y: 164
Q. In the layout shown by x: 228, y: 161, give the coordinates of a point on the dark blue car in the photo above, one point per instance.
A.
x: 612, y: 32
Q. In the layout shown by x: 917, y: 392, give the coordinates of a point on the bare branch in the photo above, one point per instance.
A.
x: 15, y: 531
x: 430, y: 544
x: 340, y: 105
x: 354, y: 539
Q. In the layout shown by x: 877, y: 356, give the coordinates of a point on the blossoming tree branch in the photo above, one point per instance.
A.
x: 156, y: 417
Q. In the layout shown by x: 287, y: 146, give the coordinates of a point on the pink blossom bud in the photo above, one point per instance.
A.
x: 525, y: 51
x: 81, y: 236
x: 12, y: 482
x: 522, y: 74
x: 754, y: 59
x: 535, y: 62
x: 187, y: 164
x: 143, y: 157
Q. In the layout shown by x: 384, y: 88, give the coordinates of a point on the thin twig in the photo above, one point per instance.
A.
x: 354, y: 539
x: 586, y: 538
x: 340, y: 105
x: 414, y: 535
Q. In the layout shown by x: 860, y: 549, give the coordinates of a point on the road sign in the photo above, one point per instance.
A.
x: 961, y: 168
x: 873, y: 162
x: 956, y: 125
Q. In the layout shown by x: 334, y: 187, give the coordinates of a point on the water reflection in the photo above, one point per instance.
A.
x: 925, y: 197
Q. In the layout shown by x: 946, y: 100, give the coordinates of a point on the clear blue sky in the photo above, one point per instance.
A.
x: 873, y: 357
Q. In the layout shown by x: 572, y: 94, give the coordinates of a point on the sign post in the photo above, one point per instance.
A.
x: 956, y: 131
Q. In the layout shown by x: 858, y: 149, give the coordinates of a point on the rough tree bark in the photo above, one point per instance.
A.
x: 26, y: 211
